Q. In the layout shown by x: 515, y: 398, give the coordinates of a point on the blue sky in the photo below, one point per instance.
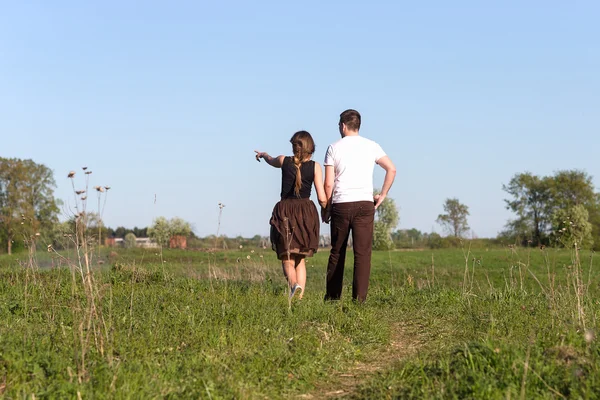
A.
x: 168, y: 100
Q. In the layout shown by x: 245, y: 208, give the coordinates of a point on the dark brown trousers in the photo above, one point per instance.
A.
x: 357, y: 217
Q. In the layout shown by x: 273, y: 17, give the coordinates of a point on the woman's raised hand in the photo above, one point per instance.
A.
x: 276, y: 162
x: 260, y: 154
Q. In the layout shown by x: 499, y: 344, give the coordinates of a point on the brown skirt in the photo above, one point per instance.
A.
x: 295, y: 228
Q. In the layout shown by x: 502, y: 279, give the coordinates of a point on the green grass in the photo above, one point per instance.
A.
x: 218, y: 325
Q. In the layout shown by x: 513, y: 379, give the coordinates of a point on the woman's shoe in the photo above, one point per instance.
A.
x: 295, y: 289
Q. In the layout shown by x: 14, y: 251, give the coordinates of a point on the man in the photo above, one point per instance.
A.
x: 349, y: 165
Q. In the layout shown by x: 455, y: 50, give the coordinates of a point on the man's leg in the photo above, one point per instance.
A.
x: 362, y: 241
x: 340, y: 231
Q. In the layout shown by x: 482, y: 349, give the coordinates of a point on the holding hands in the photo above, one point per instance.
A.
x: 326, y: 213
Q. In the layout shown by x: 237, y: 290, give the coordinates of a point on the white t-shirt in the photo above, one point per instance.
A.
x: 353, y: 159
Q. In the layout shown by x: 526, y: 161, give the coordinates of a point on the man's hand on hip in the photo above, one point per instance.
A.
x: 378, y: 199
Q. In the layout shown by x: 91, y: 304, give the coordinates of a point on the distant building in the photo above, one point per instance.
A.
x: 178, y: 242
x: 145, y: 243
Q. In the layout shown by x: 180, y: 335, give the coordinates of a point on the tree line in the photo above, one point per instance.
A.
x: 28, y: 208
x: 562, y: 209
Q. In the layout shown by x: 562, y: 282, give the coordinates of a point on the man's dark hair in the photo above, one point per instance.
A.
x: 351, y: 118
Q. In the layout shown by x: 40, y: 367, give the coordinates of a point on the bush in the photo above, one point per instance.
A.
x: 129, y: 240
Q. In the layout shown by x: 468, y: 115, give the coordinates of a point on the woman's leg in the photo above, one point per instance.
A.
x: 301, y: 272
x: 289, y: 270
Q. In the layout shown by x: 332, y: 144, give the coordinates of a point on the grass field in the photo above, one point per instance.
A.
x: 497, y: 323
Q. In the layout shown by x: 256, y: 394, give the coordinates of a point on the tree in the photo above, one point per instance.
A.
x: 162, y: 230
x: 61, y: 236
x: 571, y: 188
x: 538, y: 201
x: 571, y: 226
x: 414, y: 235
x: 95, y: 226
x: 517, y: 231
x: 455, y: 219
x: 408, y: 238
x: 382, y: 239
x: 129, y: 240
x: 531, y: 202
x: 594, y: 218
x: 120, y: 232
x: 179, y: 227
x: 387, y: 219
x: 140, y: 232
x: 434, y: 241
x: 27, y: 203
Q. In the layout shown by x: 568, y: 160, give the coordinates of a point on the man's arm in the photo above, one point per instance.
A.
x: 390, y: 175
x: 328, y: 186
x: 329, y: 178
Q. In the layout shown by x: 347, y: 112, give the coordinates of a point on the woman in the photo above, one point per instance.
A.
x: 295, y: 222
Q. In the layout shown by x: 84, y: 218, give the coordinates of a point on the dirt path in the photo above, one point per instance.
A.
x: 403, y: 344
